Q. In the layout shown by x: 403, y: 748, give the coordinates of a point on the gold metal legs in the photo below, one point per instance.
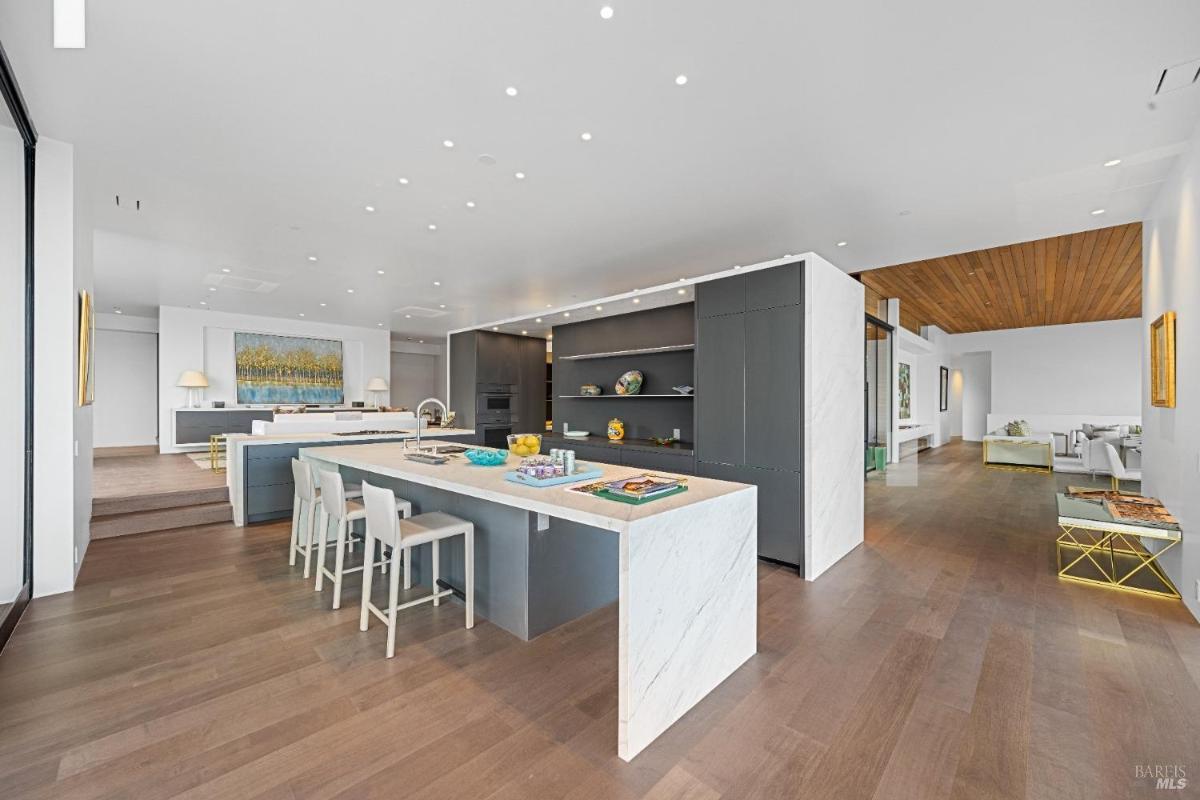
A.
x: 1117, y: 557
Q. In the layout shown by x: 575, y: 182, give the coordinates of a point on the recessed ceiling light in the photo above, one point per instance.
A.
x: 495, y: 328
x: 539, y: 319
x: 324, y: 304
x: 301, y: 314
x: 1097, y: 212
x: 524, y: 333
x: 369, y: 209
x: 599, y: 308
x: 519, y: 176
x: 683, y: 280
x: 378, y: 324
x: 203, y: 303
x: 349, y: 291
x: 487, y: 159
x: 470, y: 204
x: 226, y: 269
x: 118, y: 311
x: 212, y: 288
x: 566, y: 313
x: 549, y: 335
x: 511, y: 91
x: 587, y: 137
x: 442, y: 305
x: 432, y: 227
x: 421, y: 341
x: 408, y: 316
x: 447, y: 143
x: 636, y: 300
x: 437, y: 283
x: 312, y: 258
x: 682, y: 291
x: 378, y: 272
x: 841, y: 244
x: 739, y: 266
x: 549, y: 305
x: 680, y: 80
x: 606, y: 12
x: 905, y: 213
x: 1112, y: 163
x: 403, y: 181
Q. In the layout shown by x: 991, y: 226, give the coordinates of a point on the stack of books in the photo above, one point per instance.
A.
x: 643, y: 487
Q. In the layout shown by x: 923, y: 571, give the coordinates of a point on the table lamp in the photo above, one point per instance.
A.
x: 192, y: 380
x: 374, y: 386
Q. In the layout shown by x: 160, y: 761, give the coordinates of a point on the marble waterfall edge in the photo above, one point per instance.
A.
x: 688, y: 611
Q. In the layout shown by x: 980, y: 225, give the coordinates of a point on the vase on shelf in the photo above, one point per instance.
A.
x: 616, y: 429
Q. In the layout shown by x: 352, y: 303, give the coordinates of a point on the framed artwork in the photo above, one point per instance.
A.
x: 287, y: 369
x: 905, y: 391
x: 87, y: 335
x: 943, y: 389
x: 1162, y: 361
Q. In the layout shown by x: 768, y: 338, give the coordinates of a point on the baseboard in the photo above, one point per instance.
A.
x: 132, y: 450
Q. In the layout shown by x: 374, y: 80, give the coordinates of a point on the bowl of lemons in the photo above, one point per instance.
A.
x: 525, y: 444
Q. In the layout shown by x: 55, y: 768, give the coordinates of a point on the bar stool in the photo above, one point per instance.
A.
x: 306, y: 502
x: 384, y: 525
x: 335, y: 507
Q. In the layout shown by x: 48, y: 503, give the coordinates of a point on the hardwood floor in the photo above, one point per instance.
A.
x: 943, y: 659
x: 122, y: 476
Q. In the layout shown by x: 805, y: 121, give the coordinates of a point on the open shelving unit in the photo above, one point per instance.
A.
x: 639, y: 351
x: 622, y: 396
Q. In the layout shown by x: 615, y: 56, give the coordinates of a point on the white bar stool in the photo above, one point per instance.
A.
x: 336, y: 507
x: 384, y: 525
x: 306, y: 504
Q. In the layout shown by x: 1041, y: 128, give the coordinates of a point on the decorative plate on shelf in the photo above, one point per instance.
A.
x: 576, y: 434
x: 630, y: 382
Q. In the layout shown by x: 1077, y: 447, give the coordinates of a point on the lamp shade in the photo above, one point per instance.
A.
x: 377, y: 385
x: 193, y: 379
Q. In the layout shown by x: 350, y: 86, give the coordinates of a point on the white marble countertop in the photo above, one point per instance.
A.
x: 488, y: 483
x: 245, y: 439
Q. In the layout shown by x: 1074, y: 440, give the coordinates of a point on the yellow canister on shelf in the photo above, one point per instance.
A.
x: 616, y: 429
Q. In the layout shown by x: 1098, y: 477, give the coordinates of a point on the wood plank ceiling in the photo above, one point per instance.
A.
x: 1080, y: 277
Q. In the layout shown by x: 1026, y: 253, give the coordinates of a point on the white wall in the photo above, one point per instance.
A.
x: 1171, y: 439
x: 418, y: 371
x: 12, y: 356
x: 1088, y: 368
x: 203, y: 340
x: 62, y: 431
x: 976, y: 393
x: 126, y: 408
x: 833, y: 371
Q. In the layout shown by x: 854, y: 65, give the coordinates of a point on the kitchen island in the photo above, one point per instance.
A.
x: 682, y: 568
x: 258, y: 467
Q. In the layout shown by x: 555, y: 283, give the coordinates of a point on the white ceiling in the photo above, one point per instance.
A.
x: 254, y: 133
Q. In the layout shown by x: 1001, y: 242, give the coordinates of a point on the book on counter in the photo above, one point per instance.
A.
x: 635, y: 489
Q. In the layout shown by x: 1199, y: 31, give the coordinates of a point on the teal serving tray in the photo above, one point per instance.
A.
x: 583, y: 472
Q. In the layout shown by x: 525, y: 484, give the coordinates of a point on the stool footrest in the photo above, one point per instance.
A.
x: 382, y: 613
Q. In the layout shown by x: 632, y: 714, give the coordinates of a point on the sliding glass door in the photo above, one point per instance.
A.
x: 17, y: 139
x: 878, y: 392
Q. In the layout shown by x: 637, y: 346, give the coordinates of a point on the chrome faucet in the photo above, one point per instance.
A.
x: 421, y: 405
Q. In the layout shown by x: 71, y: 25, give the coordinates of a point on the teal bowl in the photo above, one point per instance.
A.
x: 487, y: 458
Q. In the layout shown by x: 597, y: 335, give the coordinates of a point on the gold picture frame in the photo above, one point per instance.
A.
x: 87, y: 335
x: 1162, y: 361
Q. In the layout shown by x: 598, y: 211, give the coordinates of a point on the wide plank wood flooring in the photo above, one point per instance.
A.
x: 943, y: 659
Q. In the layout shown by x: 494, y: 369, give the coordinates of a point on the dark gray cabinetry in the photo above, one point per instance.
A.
x: 531, y: 386
x: 590, y: 452
x: 749, y: 394
x: 772, y: 387
x: 730, y: 299
x: 774, y: 287
x: 720, y: 387
x: 194, y: 426
x: 779, y: 513
x: 498, y: 360
x: 663, y: 461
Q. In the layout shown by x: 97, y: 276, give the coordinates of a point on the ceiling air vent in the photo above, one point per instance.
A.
x: 240, y: 284
x: 1178, y: 77
x: 420, y: 312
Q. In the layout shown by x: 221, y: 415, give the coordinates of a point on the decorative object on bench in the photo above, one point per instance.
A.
x: 616, y: 429
x: 1018, y: 427
x: 590, y: 390
x: 630, y: 382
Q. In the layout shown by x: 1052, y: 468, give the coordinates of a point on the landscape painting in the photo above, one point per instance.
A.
x: 905, y: 391
x: 287, y: 369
